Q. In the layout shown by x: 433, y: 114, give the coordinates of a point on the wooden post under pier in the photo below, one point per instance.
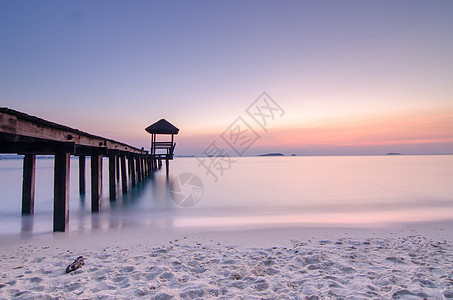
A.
x: 142, y: 169
x: 128, y: 165
x: 145, y: 166
x: 28, y: 184
x: 96, y: 177
x: 101, y: 166
x: 61, y: 191
x: 123, y: 173
x: 167, y: 166
x: 82, y: 175
x: 133, y: 173
x: 142, y: 166
x: 112, y: 176
x: 145, y: 172
x: 117, y: 166
x: 137, y: 168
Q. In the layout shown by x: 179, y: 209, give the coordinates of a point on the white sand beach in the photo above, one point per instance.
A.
x: 414, y: 262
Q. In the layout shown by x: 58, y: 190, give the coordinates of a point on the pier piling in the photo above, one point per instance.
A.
x: 138, y: 168
x: 117, y: 166
x: 61, y: 191
x: 112, y: 176
x: 82, y: 175
x: 123, y: 174
x: 96, y: 177
x: 133, y: 173
x: 28, y: 184
x: 167, y: 166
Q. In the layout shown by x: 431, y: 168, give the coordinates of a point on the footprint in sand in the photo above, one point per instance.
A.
x: 216, y: 292
x: 35, y: 280
x: 261, y: 285
x: 426, y: 283
x: 162, y: 296
x: 229, y: 262
x: 101, y: 278
x: 396, y: 260
x: 104, y: 286
x: 271, y: 271
x: 166, y: 276
x: 120, y: 280
x: 403, y: 294
x: 199, y: 269
x: 140, y: 293
x: 20, y: 293
x: 127, y: 269
x: 38, y: 288
x: 72, y: 286
x: 335, y: 279
x: 153, y: 272
x: 448, y: 294
x: 238, y: 284
x: 325, y: 242
x: 192, y: 294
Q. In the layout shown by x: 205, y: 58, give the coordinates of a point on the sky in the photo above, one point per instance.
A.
x: 349, y: 77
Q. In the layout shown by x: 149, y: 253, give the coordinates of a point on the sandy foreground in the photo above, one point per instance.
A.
x: 285, y: 263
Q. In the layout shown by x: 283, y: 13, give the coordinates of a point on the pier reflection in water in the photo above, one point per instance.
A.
x: 146, y: 204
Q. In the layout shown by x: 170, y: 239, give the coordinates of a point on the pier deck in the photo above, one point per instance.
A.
x: 28, y: 135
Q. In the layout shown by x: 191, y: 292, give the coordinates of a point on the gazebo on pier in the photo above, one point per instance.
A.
x: 162, y: 149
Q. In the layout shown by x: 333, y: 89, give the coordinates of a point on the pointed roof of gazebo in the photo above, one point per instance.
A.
x: 162, y: 127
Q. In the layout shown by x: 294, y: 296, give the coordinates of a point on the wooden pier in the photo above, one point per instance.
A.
x: 30, y: 136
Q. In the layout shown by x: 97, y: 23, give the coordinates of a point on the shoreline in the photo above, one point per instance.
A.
x: 412, y: 261
x: 262, y: 235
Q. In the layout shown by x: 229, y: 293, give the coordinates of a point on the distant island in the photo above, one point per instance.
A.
x: 393, y: 153
x: 272, y: 154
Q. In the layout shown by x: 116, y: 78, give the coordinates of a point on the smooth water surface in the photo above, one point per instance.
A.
x: 254, y: 191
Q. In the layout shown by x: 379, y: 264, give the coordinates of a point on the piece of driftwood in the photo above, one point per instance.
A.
x: 77, y: 264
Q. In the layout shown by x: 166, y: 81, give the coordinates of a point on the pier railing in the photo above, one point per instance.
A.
x: 30, y: 136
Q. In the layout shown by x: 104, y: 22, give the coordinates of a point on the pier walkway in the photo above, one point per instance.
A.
x: 30, y: 136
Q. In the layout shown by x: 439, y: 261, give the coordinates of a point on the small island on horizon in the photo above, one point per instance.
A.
x: 393, y: 153
x: 272, y: 154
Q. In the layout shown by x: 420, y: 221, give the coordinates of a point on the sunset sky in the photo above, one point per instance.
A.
x: 353, y: 77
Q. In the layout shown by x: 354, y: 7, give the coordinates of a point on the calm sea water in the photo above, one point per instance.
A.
x: 254, y: 191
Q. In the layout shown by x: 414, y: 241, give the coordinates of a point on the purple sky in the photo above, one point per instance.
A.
x: 353, y: 77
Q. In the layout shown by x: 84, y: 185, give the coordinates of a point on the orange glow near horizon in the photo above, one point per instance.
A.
x: 433, y: 128
x: 421, y: 128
